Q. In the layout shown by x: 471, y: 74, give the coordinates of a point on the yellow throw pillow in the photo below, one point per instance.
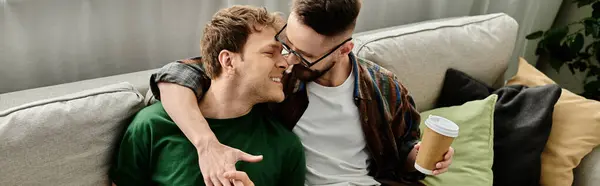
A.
x: 575, y: 128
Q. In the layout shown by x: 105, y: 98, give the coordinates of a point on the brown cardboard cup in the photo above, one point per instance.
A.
x: 437, y: 137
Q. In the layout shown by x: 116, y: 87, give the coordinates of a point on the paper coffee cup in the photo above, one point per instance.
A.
x: 437, y: 137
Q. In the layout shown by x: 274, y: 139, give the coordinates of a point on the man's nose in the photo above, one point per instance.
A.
x: 282, y: 63
x: 291, y: 59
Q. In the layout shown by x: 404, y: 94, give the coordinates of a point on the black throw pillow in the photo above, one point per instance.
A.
x: 460, y: 88
x: 522, y: 123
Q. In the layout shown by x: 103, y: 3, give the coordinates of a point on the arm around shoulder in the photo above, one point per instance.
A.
x: 179, y: 85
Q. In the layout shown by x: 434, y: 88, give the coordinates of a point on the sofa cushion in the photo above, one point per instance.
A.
x: 478, y: 45
x: 460, y: 88
x: 522, y: 123
x: 474, y: 146
x: 575, y: 128
x: 65, y: 140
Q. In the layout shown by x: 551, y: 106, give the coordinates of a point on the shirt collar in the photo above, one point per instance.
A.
x: 360, y: 78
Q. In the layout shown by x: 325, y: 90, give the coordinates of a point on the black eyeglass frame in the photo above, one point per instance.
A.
x: 305, y: 62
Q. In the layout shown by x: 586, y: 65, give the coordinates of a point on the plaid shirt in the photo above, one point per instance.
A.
x: 389, y: 119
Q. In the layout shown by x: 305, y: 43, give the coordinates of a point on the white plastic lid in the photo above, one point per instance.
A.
x: 442, y: 126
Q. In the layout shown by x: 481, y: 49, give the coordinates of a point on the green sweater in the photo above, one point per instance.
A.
x: 154, y: 151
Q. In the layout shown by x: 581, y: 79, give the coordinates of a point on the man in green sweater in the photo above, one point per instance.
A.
x: 245, y: 66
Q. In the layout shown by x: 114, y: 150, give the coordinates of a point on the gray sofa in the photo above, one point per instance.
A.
x: 63, y: 134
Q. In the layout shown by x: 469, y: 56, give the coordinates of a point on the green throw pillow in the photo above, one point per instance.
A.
x: 474, y: 146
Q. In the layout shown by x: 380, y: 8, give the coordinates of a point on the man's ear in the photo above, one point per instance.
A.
x: 226, y: 61
x: 346, y: 48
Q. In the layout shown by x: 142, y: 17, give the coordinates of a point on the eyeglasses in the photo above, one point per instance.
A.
x: 283, y: 38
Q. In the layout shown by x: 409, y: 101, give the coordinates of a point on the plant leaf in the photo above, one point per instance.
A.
x: 581, y: 3
x: 591, y: 95
x: 591, y: 27
x: 565, y: 53
x: 596, y: 13
x: 535, y: 35
x: 592, y: 87
x: 593, y: 74
x: 590, y: 73
x: 596, y: 6
x: 597, y: 48
x: 584, y: 55
x: 539, y: 50
x: 557, y: 32
x: 556, y: 64
x: 582, y: 66
x: 541, y: 47
x: 577, y: 43
x: 555, y: 35
x: 594, y: 71
x: 587, y: 78
x: 571, y: 68
x: 552, y: 43
x: 587, y: 48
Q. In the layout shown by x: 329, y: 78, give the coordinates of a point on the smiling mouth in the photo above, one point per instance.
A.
x: 276, y: 79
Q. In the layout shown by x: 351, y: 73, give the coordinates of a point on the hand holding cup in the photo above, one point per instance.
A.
x: 434, y: 152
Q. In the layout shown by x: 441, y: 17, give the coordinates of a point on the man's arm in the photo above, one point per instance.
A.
x: 179, y: 86
x: 181, y: 104
x: 410, y: 118
x: 407, y: 119
x: 405, y: 123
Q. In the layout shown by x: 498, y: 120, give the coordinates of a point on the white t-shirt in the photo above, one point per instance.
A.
x: 331, y: 132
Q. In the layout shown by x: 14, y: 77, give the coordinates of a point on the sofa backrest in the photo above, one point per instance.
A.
x: 66, y: 140
x: 419, y: 54
x: 139, y: 81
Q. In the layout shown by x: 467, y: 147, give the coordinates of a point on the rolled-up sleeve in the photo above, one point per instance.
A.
x: 190, y: 75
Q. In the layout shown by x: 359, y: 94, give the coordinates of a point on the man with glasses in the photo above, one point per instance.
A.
x: 357, y: 123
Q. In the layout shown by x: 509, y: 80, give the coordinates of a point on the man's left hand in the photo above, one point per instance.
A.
x: 443, y: 165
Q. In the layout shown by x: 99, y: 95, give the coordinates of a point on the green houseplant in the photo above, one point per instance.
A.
x: 567, y: 46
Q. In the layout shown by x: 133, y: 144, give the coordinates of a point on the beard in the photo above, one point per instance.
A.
x: 306, y: 74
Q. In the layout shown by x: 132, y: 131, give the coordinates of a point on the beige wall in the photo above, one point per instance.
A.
x: 568, y: 13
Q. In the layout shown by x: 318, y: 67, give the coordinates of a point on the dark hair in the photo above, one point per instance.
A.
x: 229, y: 29
x: 327, y: 17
